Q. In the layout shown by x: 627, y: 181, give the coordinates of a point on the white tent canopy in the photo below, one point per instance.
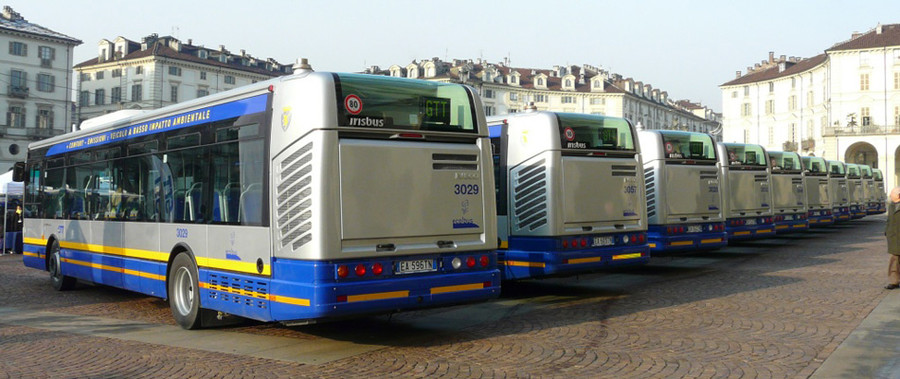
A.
x: 8, y: 186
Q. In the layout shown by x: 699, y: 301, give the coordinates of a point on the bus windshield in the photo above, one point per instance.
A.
x: 866, y: 171
x: 745, y: 155
x: 836, y: 168
x: 852, y: 170
x: 686, y: 145
x: 377, y: 102
x: 785, y: 161
x: 878, y: 176
x: 814, y: 164
x: 581, y: 131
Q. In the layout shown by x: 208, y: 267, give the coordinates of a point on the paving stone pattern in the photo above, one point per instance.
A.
x: 770, y: 309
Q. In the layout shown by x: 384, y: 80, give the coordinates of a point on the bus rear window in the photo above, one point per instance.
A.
x: 686, y: 145
x: 745, y: 155
x: 592, y: 132
x: 814, y: 164
x: 836, y: 168
x: 782, y: 161
x: 379, y: 102
x: 878, y: 175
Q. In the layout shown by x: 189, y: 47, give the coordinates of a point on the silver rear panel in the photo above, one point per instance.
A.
x: 788, y: 193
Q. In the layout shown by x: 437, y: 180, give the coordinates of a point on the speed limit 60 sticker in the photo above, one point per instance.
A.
x: 353, y: 104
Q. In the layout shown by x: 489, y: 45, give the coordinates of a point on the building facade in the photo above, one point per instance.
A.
x: 842, y: 104
x: 577, y: 89
x: 35, y: 69
x: 160, y: 71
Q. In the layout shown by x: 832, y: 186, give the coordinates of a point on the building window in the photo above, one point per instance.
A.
x: 810, y: 129
x: 139, y: 70
x: 734, y: 94
x: 44, y: 119
x: 18, y: 79
x: 202, y: 92
x: 488, y: 110
x: 810, y: 99
x: 229, y: 79
x: 863, y: 82
x: 99, y: 96
x: 793, y: 82
x: 896, y: 117
x: 99, y: 75
x: 15, y: 117
x: 896, y: 56
x: 598, y: 101
x: 897, y: 80
x: 115, y: 95
x: 745, y: 109
x: 568, y: 99
x: 771, y: 135
x: 137, y: 92
x: 540, y: 81
x: 174, y: 94
x: 513, y: 96
x: 85, y: 77
x: 793, y: 132
x: 540, y: 98
x: 771, y: 87
x: 488, y: 93
x: 864, y: 59
x: 597, y: 84
x: 18, y: 48
x: 46, y: 83
x: 47, y: 55
x: 202, y: 75
x: 84, y: 99
x: 116, y: 73
x: 174, y: 71
x: 792, y: 102
x: 568, y: 83
x: 746, y: 90
x: 770, y: 107
x: 865, y: 117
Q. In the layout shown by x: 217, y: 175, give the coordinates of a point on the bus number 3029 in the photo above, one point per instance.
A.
x: 465, y: 189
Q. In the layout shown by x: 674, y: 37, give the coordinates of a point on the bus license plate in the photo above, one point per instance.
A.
x: 694, y: 229
x: 815, y: 213
x: 789, y: 218
x: 410, y: 267
x: 604, y: 241
x: 751, y: 221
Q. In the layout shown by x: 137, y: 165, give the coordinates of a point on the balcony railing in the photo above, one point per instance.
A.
x: 18, y: 91
x: 860, y: 130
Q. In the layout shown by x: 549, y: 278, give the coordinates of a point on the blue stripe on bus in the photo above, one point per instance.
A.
x: 219, y: 112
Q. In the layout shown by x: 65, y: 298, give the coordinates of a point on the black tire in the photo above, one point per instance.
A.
x: 59, y: 281
x: 184, y: 292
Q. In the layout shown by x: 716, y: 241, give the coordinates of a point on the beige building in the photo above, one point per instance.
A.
x: 160, y: 71
x: 36, y: 64
x: 842, y: 104
x: 578, y: 89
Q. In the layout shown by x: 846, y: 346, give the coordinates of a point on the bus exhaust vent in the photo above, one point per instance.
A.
x: 294, y: 199
x: 454, y: 161
x: 650, y: 190
x: 530, y: 186
x: 761, y: 178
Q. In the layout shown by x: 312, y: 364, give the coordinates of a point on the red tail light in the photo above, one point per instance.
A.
x: 565, y: 243
x: 377, y: 269
x: 680, y: 229
x: 470, y: 262
x: 360, y: 270
x: 343, y: 271
x: 583, y: 242
x: 485, y: 260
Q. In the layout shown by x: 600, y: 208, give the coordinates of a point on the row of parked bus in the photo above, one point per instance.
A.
x: 319, y: 195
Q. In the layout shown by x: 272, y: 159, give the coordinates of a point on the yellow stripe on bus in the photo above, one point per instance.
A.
x: 289, y: 300
x: 799, y: 226
x: 504, y: 244
x: 377, y: 296
x: 33, y: 255
x: 712, y: 240
x: 626, y: 256
x: 651, y: 245
x: 742, y: 233
x: 764, y: 231
x: 522, y: 263
x: 782, y: 226
x: 584, y: 260
x: 114, y: 269
x: 681, y: 243
x: 457, y: 288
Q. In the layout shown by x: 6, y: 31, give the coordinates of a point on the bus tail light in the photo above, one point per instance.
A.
x: 470, y: 262
x: 377, y: 269
x: 343, y: 271
x: 565, y: 244
x: 584, y: 242
x: 360, y: 270
x: 485, y: 260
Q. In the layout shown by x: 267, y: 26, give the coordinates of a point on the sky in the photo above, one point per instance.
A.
x: 687, y: 48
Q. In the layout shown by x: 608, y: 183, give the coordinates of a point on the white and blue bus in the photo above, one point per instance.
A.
x: 869, y: 189
x: 684, y: 201
x: 856, y: 191
x: 305, y: 197
x: 788, y: 192
x: 818, y: 197
x: 838, y: 192
x: 747, y: 183
x: 570, y: 197
x: 880, y: 194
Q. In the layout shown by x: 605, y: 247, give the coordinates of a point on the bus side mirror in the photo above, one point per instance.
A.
x: 19, y: 172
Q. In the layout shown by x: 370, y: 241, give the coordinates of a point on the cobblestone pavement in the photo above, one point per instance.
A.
x: 770, y: 309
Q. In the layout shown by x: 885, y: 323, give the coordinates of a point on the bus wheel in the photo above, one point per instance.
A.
x: 184, y: 292
x: 60, y: 282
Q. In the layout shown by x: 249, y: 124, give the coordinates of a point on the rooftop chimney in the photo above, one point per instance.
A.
x: 10, y: 14
x: 737, y: 74
x: 855, y: 35
x: 771, y: 57
x: 878, y: 28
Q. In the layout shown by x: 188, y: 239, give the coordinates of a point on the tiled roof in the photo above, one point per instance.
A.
x: 12, y: 21
x: 774, y: 73
x: 889, y: 36
x: 189, y: 53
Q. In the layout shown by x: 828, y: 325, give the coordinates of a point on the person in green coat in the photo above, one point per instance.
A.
x: 892, y: 232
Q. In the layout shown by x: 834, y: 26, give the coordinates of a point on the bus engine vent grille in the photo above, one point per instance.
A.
x: 709, y: 175
x: 624, y: 170
x: 530, y: 186
x: 294, y: 191
x: 650, y: 184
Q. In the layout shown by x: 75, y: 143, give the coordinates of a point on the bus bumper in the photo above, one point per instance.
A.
x: 874, y: 208
x: 748, y: 232
x: 796, y: 223
x: 857, y: 212
x: 662, y: 242
x: 523, y: 264
x: 841, y: 214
